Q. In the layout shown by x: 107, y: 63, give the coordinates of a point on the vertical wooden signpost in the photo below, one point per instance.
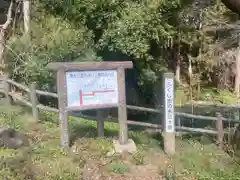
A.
x: 84, y: 86
x: 169, y: 119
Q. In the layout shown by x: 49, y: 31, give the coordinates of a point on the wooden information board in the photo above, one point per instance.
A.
x: 86, y: 89
x: 91, y: 85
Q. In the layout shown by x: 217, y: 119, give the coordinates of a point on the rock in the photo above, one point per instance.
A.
x: 12, y: 139
x: 129, y: 147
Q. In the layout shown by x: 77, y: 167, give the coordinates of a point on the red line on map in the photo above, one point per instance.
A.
x: 81, y: 97
x: 92, y: 94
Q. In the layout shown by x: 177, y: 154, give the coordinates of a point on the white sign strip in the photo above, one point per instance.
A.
x: 169, y: 105
x: 86, y: 88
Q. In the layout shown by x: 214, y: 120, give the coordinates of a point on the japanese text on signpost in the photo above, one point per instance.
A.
x: 169, y: 110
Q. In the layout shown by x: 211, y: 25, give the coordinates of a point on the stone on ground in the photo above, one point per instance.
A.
x: 12, y: 139
x: 129, y: 147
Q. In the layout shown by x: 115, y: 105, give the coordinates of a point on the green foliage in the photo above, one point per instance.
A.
x: 131, y: 27
x: 52, y: 40
x: 119, y: 168
x: 9, y: 117
x: 45, y: 160
x: 151, y: 33
x: 138, y: 158
x: 170, y: 174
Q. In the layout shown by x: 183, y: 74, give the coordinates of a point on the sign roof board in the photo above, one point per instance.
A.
x: 70, y: 66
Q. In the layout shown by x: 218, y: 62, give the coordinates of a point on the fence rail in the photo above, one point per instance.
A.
x: 234, y: 106
x: 45, y: 93
x: 32, y: 102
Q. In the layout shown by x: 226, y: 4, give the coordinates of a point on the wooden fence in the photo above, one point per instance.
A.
x: 32, y: 102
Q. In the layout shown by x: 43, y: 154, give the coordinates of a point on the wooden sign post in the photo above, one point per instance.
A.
x: 169, y: 119
x: 84, y: 86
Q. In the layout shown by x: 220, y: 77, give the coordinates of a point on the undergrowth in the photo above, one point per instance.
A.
x: 44, y: 159
x: 213, y: 95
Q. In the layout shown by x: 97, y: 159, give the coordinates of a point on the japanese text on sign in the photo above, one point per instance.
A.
x: 86, y: 88
x: 169, y: 106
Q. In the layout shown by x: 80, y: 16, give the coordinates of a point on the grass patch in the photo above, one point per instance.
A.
x: 213, y: 95
x: 138, y: 158
x: 120, y: 168
x: 44, y: 159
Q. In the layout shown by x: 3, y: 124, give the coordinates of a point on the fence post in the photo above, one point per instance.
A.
x: 122, y: 110
x: 7, y: 89
x: 100, y: 123
x: 34, y: 102
x: 178, y: 124
x: 220, y: 132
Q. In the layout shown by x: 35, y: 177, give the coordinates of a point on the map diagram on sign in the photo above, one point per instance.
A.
x: 85, y: 88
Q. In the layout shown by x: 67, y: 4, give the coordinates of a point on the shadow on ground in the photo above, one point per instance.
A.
x: 81, y: 130
x: 87, y: 131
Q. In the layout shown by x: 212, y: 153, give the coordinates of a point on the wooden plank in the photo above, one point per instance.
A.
x: 19, y: 98
x: 122, y: 110
x: 194, y: 103
x: 100, y: 123
x: 63, y: 114
x: 7, y: 89
x: 71, y: 66
x: 46, y: 108
x: 45, y: 93
x: 196, y: 116
x: 144, y: 124
x: 97, y: 106
x: 144, y: 109
x: 178, y: 123
x: 34, y: 101
x: 199, y: 130
x: 204, y: 117
x: 155, y: 126
x: 181, y: 114
x: 20, y: 86
x: 115, y: 120
x: 220, y: 132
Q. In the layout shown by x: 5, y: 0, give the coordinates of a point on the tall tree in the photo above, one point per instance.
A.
x: 234, y: 6
x: 26, y: 15
x: 3, y: 31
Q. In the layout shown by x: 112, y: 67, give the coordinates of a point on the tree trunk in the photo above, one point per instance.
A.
x: 190, y: 68
x: 237, y: 77
x: 3, y: 29
x: 2, y: 51
x: 26, y: 16
x: 178, y: 71
x: 190, y: 76
x: 178, y: 67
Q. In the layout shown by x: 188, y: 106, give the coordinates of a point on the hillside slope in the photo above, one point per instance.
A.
x: 92, y: 158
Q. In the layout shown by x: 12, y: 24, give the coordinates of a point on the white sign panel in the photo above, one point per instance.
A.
x: 169, y: 106
x: 86, y: 88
